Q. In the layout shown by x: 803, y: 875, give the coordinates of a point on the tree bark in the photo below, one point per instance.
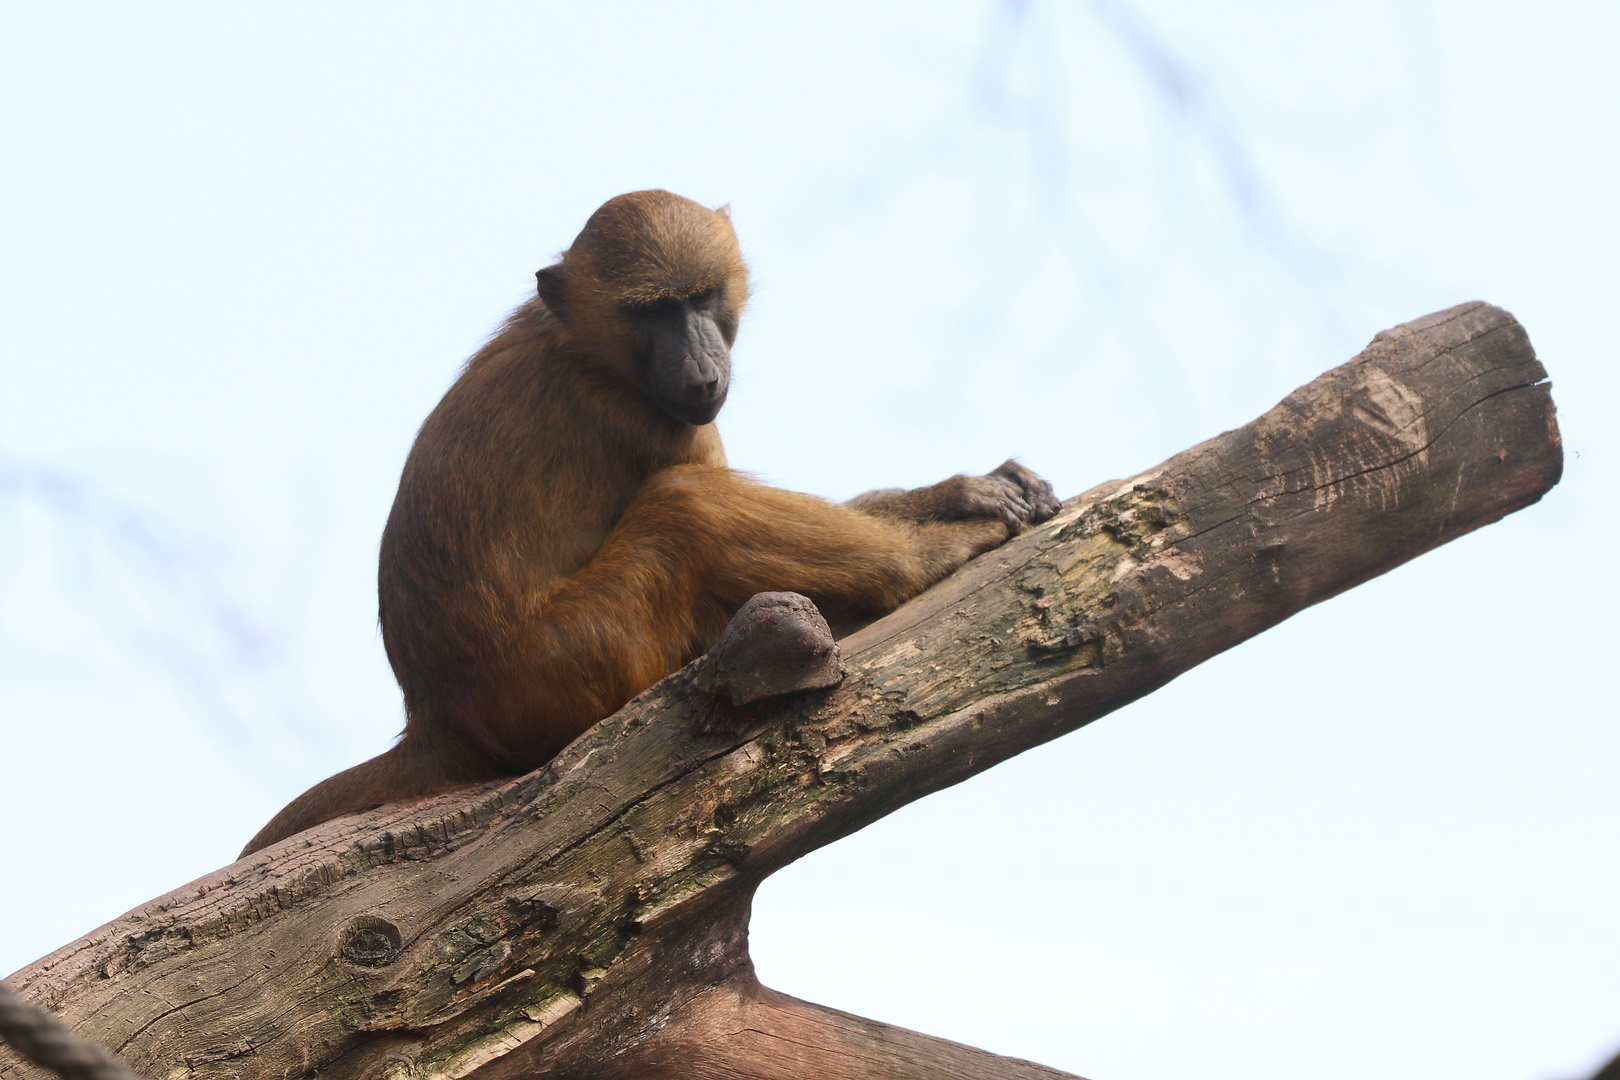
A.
x: 590, y: 919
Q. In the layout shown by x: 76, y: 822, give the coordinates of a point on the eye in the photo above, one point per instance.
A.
x: 704, y: 298
x: 653, y: 309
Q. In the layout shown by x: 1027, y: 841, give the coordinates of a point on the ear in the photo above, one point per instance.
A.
x: 550, y: 285
x: 724, y: 211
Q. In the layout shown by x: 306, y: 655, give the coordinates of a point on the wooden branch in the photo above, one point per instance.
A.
x: 740, y: 1030
x: 591, y: 918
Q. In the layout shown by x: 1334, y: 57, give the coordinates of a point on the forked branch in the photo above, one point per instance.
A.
x: 590, y: 919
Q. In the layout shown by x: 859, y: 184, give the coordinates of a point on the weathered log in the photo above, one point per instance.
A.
x: 591, y: 918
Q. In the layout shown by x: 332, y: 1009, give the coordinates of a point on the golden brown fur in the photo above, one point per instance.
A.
x: 561, y: 541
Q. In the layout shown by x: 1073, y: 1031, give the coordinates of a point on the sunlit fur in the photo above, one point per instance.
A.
x: 559, y: 543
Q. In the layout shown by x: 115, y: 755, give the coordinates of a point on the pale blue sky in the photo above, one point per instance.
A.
x: 243, y: 252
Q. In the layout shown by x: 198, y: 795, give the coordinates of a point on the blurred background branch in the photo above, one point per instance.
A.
x: 173, y: 595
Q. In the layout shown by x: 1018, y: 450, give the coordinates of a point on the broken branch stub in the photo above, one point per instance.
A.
x: 777, y: 643
x: 591, y: 918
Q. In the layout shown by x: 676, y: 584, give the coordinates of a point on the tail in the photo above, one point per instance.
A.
x: 392, y: 776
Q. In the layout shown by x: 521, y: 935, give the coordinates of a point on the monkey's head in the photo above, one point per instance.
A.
x: 652, y: 289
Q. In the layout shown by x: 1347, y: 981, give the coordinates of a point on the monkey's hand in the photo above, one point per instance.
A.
x: 1011, y: 494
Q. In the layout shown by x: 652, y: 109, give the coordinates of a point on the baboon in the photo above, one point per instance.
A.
x: 567, y: 533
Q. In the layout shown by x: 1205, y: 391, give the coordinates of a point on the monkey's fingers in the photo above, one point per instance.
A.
x: 1037, y: 493
x: 995, y: 497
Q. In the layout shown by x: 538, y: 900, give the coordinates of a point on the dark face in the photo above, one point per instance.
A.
x: 688, y: 355
x: 651, y: 290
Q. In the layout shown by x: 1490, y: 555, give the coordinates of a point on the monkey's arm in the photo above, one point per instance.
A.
x: 868, y: 498
x: 1012, y: 493
x: 730, y: 537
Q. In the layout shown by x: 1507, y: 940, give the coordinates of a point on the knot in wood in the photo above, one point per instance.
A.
x: 370, y: 941
x: 778, y: 643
